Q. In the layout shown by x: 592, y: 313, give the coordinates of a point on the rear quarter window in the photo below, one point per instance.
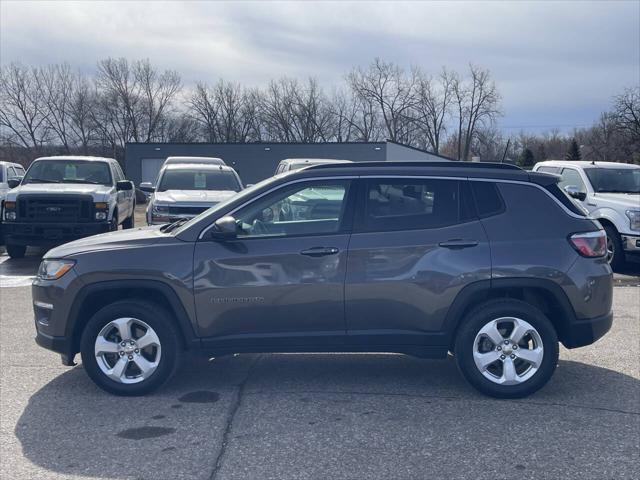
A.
x: 487, y: 199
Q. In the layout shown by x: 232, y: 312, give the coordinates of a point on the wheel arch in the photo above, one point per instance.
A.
x: 541, y: 293
x: 93, y: 297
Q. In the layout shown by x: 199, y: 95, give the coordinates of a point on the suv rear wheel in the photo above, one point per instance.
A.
x: 507, y: 348
x: 130, y: 347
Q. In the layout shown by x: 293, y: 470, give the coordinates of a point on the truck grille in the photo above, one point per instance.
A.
x: 55, y: 209
x: 188, y: 210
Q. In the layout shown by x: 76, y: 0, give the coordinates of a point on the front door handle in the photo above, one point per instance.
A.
x: 319, y: 251
x: 458, y: 244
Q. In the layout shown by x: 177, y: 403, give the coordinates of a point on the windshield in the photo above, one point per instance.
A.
x: 68, y: 171
x: 245, y: 194
x: 614, y: 180
x: 194, y: 179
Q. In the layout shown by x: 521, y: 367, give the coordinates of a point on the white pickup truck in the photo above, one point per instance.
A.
x: 610, y: 192
x: 8, y: 170
x: 64, y: 198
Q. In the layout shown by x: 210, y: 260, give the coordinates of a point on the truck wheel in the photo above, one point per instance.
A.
x: 506, y: 348
x: 16, y: 251
x: 131, y: 221
x: 130, y: 347
x: 615, y: 252
x: 114, y: 222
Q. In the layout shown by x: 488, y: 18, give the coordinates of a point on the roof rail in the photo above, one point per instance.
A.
x: 425, y: 164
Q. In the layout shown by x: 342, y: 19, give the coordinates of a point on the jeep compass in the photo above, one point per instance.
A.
x: 487, y: 262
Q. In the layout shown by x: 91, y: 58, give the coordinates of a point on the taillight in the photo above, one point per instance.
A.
x: 590, y: 244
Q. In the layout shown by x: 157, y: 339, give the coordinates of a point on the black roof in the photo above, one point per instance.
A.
x: 422, y: 164
x: 502, y: 171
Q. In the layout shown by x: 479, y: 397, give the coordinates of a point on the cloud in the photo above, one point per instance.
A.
x: 554, y: 62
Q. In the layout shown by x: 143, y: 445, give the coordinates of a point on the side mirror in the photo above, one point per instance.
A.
x: 574, y: 192
x: 224, y: 228
x: 13, y: 182
x: 124, y: 185
x: 147, y: 187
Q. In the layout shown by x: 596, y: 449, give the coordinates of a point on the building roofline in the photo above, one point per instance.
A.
x: 421, y: 150
x: 258, y: 143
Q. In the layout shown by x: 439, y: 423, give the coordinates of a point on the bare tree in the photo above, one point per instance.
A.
x: 626, y: 109
x: 477, y: 103
x: 276, y: 110
x: 134, y: 98
x: 80, y: 115
x: 119, y: 98
x: 391, y: 91
x: 157, y: 90
x: 56, y: 85
x: 433, y: 107
x: 23, y: 112
x: 204, y: 110
x: 311, y: 114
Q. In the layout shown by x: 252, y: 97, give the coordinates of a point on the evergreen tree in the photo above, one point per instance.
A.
x: 574, y: 151
x: 526, y: 159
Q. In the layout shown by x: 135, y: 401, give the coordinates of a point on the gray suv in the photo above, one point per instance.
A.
x: 489, y: 262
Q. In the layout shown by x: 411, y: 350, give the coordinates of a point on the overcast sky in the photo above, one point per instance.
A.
x: 555, y: 63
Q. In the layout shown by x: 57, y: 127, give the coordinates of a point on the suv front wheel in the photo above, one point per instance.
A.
x: 507, y: 348
x: 130, y: 347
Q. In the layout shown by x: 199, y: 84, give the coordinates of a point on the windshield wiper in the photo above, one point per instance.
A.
x: 172, y: 226
x: 73, y: 180
x: 41, y: 180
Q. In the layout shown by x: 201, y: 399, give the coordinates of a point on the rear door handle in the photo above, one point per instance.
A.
x: 319, y: 251
x: 458, y: 244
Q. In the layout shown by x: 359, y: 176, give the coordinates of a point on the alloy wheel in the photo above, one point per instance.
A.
x: 508, y: 351
x: 127, y: 350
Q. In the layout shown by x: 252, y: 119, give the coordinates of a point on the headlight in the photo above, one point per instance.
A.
x: 10, y: 211
x: 54, y: 269
x: 634, y: 219
x: 102, y: 210
x: 160, y: 209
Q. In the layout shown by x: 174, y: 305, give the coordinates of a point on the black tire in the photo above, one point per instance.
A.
x: 16, y: 251
x: 131, y: 220
x: 154, y: 316
x: 114, y: 222
x: 617, y: 260
x: 481, y: 316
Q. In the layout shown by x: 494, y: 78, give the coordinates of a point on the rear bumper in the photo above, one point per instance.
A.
x: 49, y: 234
x: 587, y: 331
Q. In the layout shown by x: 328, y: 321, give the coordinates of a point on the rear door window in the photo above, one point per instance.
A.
x: 413, y: 204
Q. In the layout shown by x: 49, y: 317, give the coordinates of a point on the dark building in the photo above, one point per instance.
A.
x: 257, y: 161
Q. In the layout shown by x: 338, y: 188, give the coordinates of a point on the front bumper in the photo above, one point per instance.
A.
x: 52, y: 303
x: 49, y: 234
x: 61, y: 345
x: 631, y: 243
x: 587, y: 331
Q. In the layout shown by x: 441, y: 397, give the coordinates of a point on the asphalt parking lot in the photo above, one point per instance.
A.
x: 317, y: 415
